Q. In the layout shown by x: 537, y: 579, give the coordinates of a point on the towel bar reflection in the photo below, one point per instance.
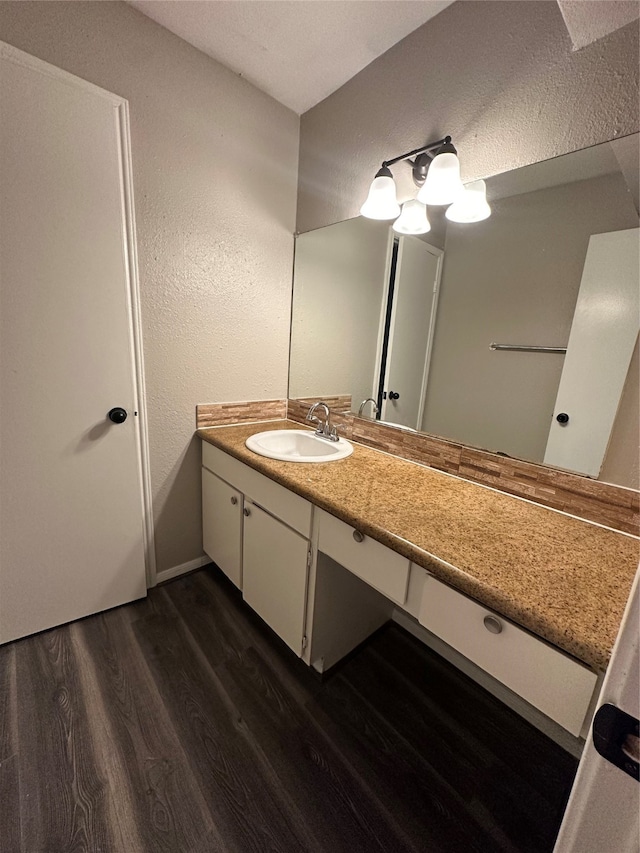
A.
x: 526, y: 348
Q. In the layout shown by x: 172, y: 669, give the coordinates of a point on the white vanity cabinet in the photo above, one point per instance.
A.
x: 275, y: 569
x: 324, y: 587
x: 258, y: 533
x: 222, y: 525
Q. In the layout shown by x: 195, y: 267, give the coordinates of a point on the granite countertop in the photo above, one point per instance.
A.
x: 564, y: 579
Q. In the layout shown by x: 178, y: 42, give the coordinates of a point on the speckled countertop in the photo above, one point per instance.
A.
x: 564, y: 579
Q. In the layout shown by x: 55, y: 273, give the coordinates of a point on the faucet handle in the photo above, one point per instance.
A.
x: 331, y: 432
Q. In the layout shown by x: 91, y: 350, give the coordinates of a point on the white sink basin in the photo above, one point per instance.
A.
x: 297, y: 445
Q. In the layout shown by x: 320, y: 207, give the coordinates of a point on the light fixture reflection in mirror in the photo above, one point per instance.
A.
x: 514, y: 278
x: 413, y: 219
x: 472, y: 205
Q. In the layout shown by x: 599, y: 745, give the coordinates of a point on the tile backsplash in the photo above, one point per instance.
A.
x: 340, y: 411
x: 604, y: 503
x: 219, y: 414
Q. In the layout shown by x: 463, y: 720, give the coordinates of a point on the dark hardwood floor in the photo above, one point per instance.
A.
x: 180, y: 723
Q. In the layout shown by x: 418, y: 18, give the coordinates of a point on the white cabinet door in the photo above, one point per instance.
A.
x: 275, y: 574
x: 222, y: 525
x: 71, y: 480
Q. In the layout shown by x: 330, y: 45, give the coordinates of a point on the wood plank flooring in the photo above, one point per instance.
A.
x: 180, y: 723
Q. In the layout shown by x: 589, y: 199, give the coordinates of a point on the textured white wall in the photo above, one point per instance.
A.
x: 214, y: 167
x: 500, y: 76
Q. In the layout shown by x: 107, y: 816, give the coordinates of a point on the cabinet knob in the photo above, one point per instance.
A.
x: 563, y: 418
x: 234, y: 500
x: 492, y: 624
x: 246, y: 511
x: 359, y: 537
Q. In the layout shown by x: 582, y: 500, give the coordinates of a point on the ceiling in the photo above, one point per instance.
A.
x: 297, y: 51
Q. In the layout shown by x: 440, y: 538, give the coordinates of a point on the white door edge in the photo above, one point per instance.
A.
x: 137, y: 353
x: 439, y: 254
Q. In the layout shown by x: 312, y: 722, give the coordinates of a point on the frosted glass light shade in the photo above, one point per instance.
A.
x: 443, y: 184
x: 472, y: 206
x: 413, y: 219
x: 381, y: 202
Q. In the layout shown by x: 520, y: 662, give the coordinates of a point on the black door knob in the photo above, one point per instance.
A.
x: 562, y: 418
x: 117, y: 415
x: 393, y: 395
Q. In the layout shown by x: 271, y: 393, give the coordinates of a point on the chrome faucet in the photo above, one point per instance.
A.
x: 324, y: 429
x: 364, y: 403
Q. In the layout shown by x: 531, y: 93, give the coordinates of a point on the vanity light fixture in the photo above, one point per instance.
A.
x: 443, y: 184
x: 381, y: 202
x: 472, y: 205
x: 413, y: 219
x: 436, y: 170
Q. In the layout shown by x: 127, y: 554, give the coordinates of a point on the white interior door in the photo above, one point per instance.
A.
x: 71, y: 490
x: 415, y: 297
x: 603, y: 813
x: 602, y: 339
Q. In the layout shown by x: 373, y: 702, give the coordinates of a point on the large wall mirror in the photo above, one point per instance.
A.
x: 485, y: 333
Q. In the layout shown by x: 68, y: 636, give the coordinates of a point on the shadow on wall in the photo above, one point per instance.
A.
x: 178, y: 511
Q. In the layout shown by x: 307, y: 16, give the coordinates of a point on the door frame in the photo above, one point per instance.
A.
x: 121, y: 107
x: 384, y: 309
x: 439, y: 254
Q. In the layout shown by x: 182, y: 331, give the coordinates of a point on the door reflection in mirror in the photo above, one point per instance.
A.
x: 514, y: 278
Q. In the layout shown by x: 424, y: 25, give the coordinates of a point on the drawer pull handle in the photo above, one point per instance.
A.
x: 492, y: 624
x: 359, y: 537
x: 247, y: 511
x: 234, y: 500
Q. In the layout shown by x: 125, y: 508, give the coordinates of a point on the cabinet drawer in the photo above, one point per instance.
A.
x: 374, y: 563
x: 547, y: 678
x: 280, y: 502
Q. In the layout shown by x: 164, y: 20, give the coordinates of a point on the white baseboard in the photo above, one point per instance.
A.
x: 182, y: 569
